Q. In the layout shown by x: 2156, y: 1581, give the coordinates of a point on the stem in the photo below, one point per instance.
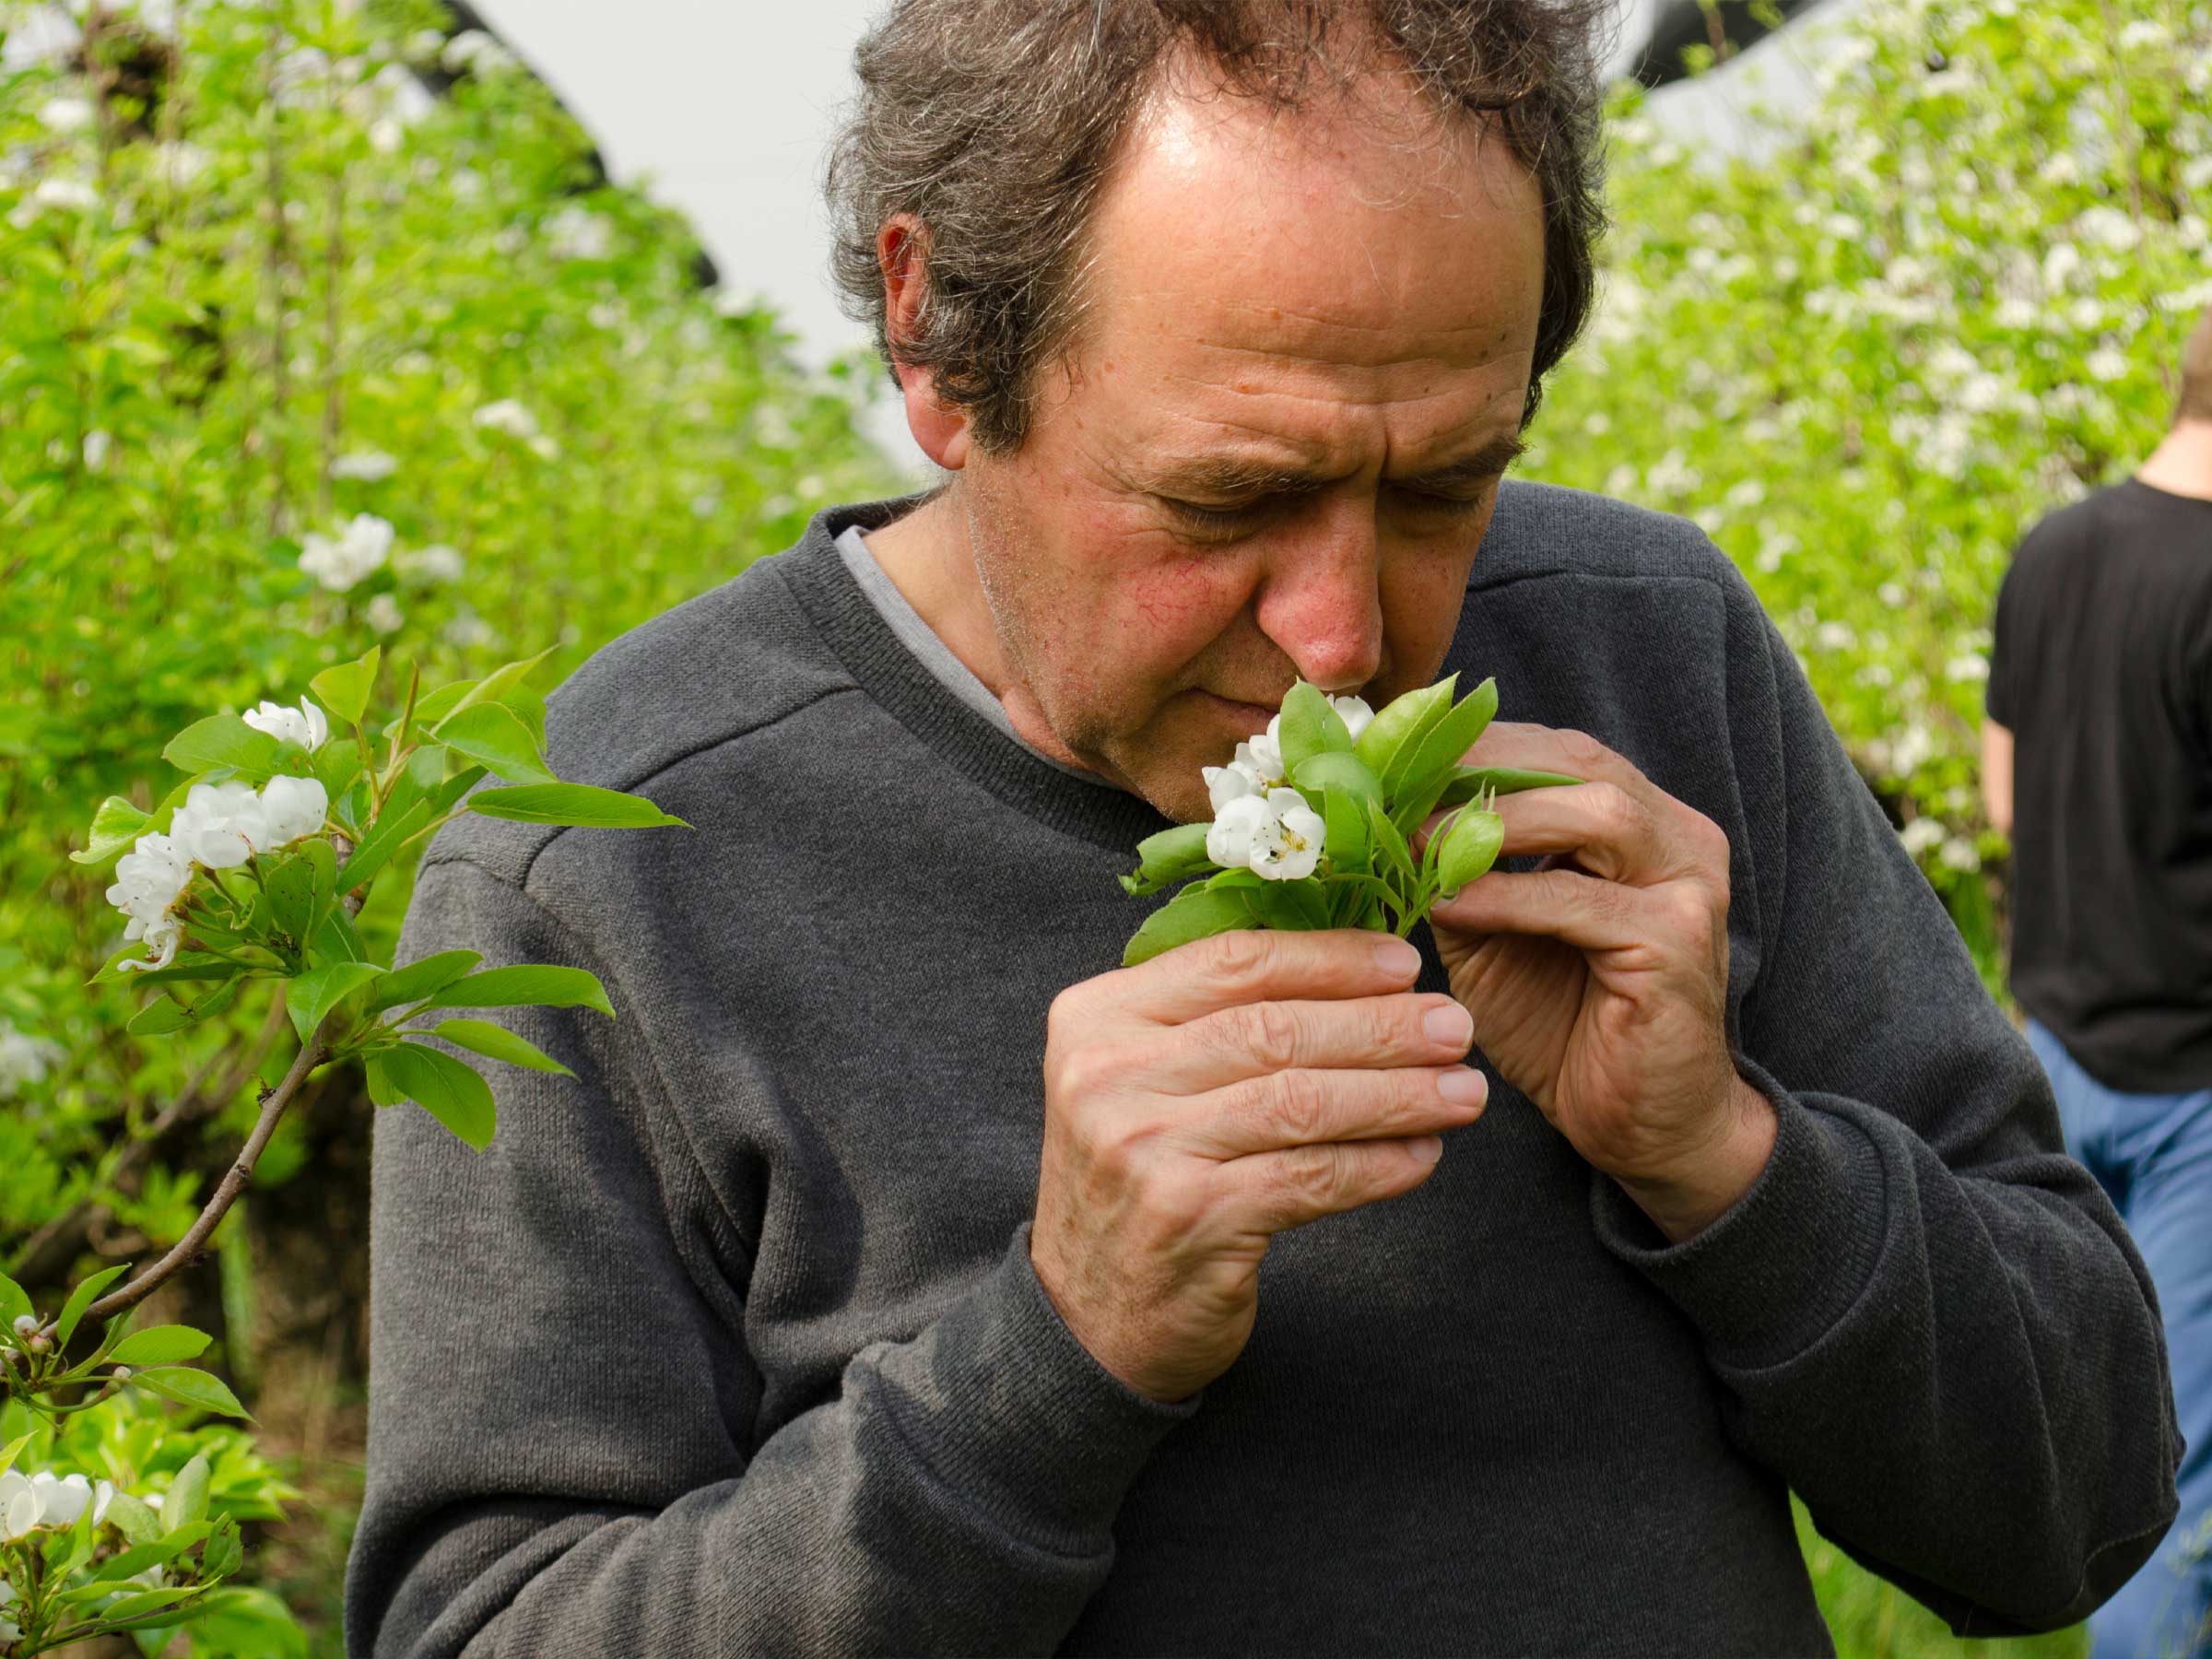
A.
x: 187, y: 1250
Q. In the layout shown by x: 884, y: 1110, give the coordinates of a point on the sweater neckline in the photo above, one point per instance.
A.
x: 883, y: 667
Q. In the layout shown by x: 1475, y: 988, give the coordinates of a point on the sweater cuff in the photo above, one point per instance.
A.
x: 1786, y: 1261
x: 1006, y: 1406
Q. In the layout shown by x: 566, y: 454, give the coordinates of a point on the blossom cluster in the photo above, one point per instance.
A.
x: 45, y: 1501
x: 219, y: 826
x: 1259, y: 822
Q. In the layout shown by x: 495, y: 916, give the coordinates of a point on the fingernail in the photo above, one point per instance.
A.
x: 1465, y: 1087
x: 1448, y: 1022
x: 1397, y: 955
x: 1426, y: 1150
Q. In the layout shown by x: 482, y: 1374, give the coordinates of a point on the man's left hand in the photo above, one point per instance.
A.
x: 1599, y: 982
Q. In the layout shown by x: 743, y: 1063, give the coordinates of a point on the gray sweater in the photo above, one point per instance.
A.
x: 730, y: 1345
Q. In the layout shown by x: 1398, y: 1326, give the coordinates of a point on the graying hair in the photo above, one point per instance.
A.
x: 994, y: 123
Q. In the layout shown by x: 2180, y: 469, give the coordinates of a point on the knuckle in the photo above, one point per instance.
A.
x: 1297, y: 1104
x: 1581, y: 745
x: 1268, y: 1033
x: 1239, y: 956
x: 1314, y: 1175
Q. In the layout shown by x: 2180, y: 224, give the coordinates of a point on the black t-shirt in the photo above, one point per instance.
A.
x: 2101, y: 667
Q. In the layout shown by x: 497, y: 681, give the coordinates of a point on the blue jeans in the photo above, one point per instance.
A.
x: 2152, y: 1154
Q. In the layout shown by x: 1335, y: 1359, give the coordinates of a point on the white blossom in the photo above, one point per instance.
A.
x: 2106, y: 364
x: 366, y: 465
x: 509, y: 417
x: 96, y: 446
x: 384, y: 615
x: 150, y: 880
x: 1228, y: 837
x: 436, y: 562
x: 306, y: 725
x: 64, y: 193
x: 66, y: 114
x: 220, y: 824
x: 1922, y: 834
x: 9, y: 1629
x: 474, y: 52
x: 30, y: 1502
x: 1959, y: 853
x: 24, y: 1059
x: 1288, y: 846
x: 579, y: 233
x: 293, y: 807
x: 1969, y: 665
x: 1354, y: 713
x: 357, y: 551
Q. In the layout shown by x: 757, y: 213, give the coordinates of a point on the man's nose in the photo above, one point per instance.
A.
x: 1322, y: 602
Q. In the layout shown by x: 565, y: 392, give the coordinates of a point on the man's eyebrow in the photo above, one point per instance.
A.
x: 1229, y: 476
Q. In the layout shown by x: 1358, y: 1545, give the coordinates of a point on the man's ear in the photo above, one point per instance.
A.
x: 902, y: 254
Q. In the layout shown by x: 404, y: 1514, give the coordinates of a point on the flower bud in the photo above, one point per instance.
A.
x: 122, y: 1373
x: 37, y: 1343
x: 26, y: 1323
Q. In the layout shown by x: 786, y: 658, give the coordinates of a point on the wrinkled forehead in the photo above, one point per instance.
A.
x: 1363, y: 247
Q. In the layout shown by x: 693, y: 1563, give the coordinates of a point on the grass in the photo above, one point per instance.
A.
x: 1871, y: 1619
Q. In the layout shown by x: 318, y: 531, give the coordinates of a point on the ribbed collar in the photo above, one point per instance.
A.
x: 897, y: 680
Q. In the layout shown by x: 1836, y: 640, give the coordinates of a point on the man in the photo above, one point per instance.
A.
x: 888, y: 1279
x: 2097, y: 760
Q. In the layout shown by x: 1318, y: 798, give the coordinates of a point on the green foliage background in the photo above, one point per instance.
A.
x: 1945, y: 298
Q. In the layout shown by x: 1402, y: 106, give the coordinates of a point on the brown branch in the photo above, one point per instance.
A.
x: 187, y: 1250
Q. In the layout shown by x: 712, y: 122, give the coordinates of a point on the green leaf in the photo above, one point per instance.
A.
x: 434, y: 706
x: 190, y: 965
x: 343, y: 691
x: 323, y: 866
x: 579, y: 804
x: 1169, y: 856
x: 160, y: 1345
x: 160, y: 1017
x: 494, y: 736
x: 1388, y: 845
x: 498, y: 1043
x: 1244, y: 876
x: 419, y: 979
x: 336, y: 939
x: 1470, y: 847
x: 290, y: 890
x: 1197, y: 912
x: 114, y: 827
x: 454, y: 787
x: 189, y: 1387
x: 186, y: 1500
x: 140, y: 1603
x: 140, y: 1527
x: 1448, y: 741
x: 223, y: 740
x: 1346, y: 815
x: 1345, y: 769
x: 14, y: 1301
x: 13, y: 1450
x: 81, y: 1299
x: 452, y: 1093
x: 525, y: 987
x: 381, y: 1089
x: 1467, y: 782
x: 337, y: 763
x: 500, y: 683
x: 1311, y: 726
x: 386, y: 836
x: 310, y: 996
x: 1390, y: 739
x: 1290, y: 906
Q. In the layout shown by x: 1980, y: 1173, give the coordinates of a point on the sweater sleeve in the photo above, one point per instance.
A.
x: 562, y: 1460
x: 1924, y: 1315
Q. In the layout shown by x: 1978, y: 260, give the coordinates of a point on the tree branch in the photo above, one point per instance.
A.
x: 187, y: 1250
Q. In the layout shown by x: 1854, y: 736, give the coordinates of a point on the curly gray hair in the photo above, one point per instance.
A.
x: 994, y: 123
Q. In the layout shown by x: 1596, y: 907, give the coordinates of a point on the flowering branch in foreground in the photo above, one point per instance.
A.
x: 1312, y: 821
x: 254, y: 867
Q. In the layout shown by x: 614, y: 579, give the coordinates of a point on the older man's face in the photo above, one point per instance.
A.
x: 1278, y: 441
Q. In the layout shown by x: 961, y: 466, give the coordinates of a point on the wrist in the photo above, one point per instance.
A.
x: 1684, y: 1204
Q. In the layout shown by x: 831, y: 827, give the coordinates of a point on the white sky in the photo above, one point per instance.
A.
x: 724, y: 109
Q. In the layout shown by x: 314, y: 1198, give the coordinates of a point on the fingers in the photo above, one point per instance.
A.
x: 1680, y: 919
x: 1271, y: 1191
x: 1234, y: 1044
x: 1301, y: 1107
x: 1257, y: 965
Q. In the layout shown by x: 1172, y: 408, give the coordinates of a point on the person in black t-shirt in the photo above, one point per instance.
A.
x: 2097, y: 758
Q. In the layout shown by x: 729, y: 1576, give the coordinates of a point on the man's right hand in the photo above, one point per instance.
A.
x: 1201, y: 1102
